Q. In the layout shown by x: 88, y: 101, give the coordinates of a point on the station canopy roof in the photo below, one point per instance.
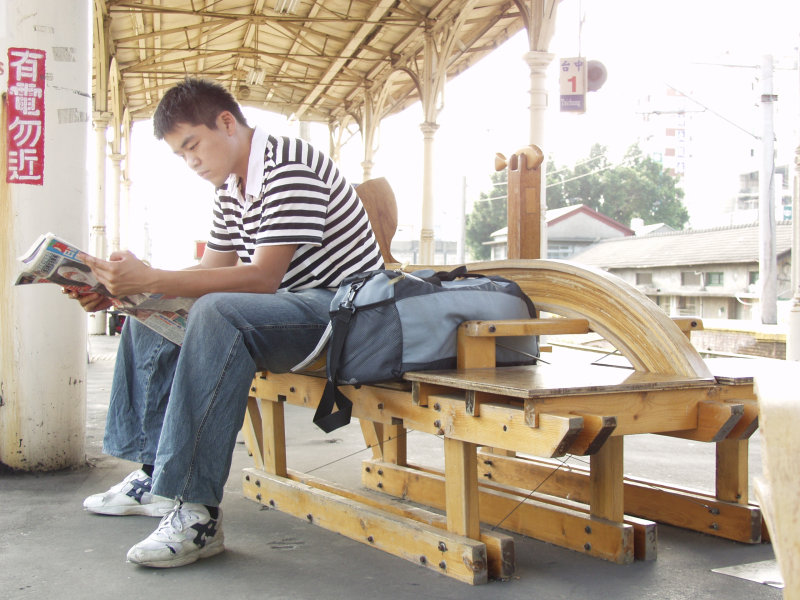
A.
x: 316, y: 60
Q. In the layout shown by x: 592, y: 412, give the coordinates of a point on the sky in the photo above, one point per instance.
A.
x: 644, y: 45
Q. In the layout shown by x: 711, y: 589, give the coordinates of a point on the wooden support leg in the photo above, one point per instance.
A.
x: 461, y: 488
x: 274, y: 438
x: 606, y: 485
x: 373, y: 434
x: 732, y: 472
x: 253, y: 434
x: 388, y: 442
x: 394, y: 445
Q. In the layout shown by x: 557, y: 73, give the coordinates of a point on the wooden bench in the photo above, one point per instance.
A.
x: 521, y: 418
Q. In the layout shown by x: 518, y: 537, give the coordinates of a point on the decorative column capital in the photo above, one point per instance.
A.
x: 428, y: 128
x: 101, y: 119
x: 537, y: 59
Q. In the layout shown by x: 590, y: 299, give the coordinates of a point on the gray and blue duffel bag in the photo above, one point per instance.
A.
x: 385, y: 323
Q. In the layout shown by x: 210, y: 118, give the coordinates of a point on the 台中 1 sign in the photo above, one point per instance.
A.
x: 572, y: 83
x: 26, y: 78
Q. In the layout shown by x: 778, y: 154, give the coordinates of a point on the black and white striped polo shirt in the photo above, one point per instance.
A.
x: 296, y: 195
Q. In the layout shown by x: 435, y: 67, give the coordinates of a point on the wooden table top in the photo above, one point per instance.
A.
x: 542, y: 380
x: 734, y: 370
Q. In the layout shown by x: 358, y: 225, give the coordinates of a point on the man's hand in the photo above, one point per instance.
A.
x: 123, y: 274
x: 91, y: 301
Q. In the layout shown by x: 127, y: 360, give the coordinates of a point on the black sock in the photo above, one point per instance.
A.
x: 148, y: 469
x: 213, y: 511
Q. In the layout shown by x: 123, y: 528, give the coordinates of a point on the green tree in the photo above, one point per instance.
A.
x: 489, y: 214
x: 642, y: 188
x: 582, y: 184
x: 638, y: 187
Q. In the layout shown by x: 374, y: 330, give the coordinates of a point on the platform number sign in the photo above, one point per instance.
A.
x: 572, y: 83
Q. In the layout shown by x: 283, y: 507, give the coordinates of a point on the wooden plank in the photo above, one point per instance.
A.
x: 274, y: 437
x: 420, y: 393
x: 688, y: 324
x: 252, y: 432
x: 395, y: 448
x: 715, y: 420
x: 620, y: 313
x: 373, y: 435
x: 732, y: 482
x: 544, y: 381
x: 639, y: 412
x: 636, y: 412
x: 596, y: 430
x: 379, y: 202
x: 524, y: 203
x: 456, y: 556
x: 748, y: 423
x: 557, y: 525
x: 504, y: 426
x: 500, y: 425
x: 673, y: 505
x: 645, y: 532
x: 523, y: 327
x: 461, y: 488
x: 474, y: 353
x: 606, y: 491
x: 733, y: 371
x: 499, y: 546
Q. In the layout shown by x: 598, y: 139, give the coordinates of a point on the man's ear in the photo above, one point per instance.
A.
x: 227, y: 122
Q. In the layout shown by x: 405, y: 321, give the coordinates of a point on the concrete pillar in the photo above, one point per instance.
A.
x: 426, y: 239
x: 100, y: 121
x: 42, y: 334
x: 125, y: 212
x: 366, y: 169
x: 538, y: 62
x: 116, y: 183
x: 97, y: 321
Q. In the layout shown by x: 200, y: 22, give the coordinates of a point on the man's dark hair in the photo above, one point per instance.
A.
x: 196, y: 102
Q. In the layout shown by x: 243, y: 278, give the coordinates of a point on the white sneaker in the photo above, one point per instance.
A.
x: 183, y: 536
x: 130, y: 497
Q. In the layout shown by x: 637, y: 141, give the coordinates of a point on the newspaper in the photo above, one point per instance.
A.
x: 53, y: 260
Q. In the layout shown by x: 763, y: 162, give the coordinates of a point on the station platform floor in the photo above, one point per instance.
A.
x: 51, y: 547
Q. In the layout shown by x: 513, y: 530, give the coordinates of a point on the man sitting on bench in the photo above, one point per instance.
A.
x: 287, y: 229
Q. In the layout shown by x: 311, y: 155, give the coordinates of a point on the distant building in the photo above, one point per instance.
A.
x: 407, y: 252
x: 711, y: 273
x: 569, y: 230
x: 744, y: 207
x: 639, y: 228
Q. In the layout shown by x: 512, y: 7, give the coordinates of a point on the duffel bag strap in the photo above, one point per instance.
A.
x: 324, y: 417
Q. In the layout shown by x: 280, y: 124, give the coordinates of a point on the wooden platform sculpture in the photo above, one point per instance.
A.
x: 522, y: 418
x: 779, y: 488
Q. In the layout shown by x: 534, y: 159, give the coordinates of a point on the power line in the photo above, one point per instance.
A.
x: 713, y: 112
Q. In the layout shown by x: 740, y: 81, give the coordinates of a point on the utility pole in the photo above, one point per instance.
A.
x: 767, y: 261
x: 793, y: 334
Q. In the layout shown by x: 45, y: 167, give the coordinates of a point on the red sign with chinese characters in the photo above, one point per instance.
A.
x: 25, y: 116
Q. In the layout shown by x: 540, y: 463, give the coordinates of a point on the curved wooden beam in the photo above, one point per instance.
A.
x: 624, y: 316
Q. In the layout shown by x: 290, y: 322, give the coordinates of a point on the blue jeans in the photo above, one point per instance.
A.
x: 180, y: 407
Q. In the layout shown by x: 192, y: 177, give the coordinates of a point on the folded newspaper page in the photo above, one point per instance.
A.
x: 53, y: 260
x: 315, y: 361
